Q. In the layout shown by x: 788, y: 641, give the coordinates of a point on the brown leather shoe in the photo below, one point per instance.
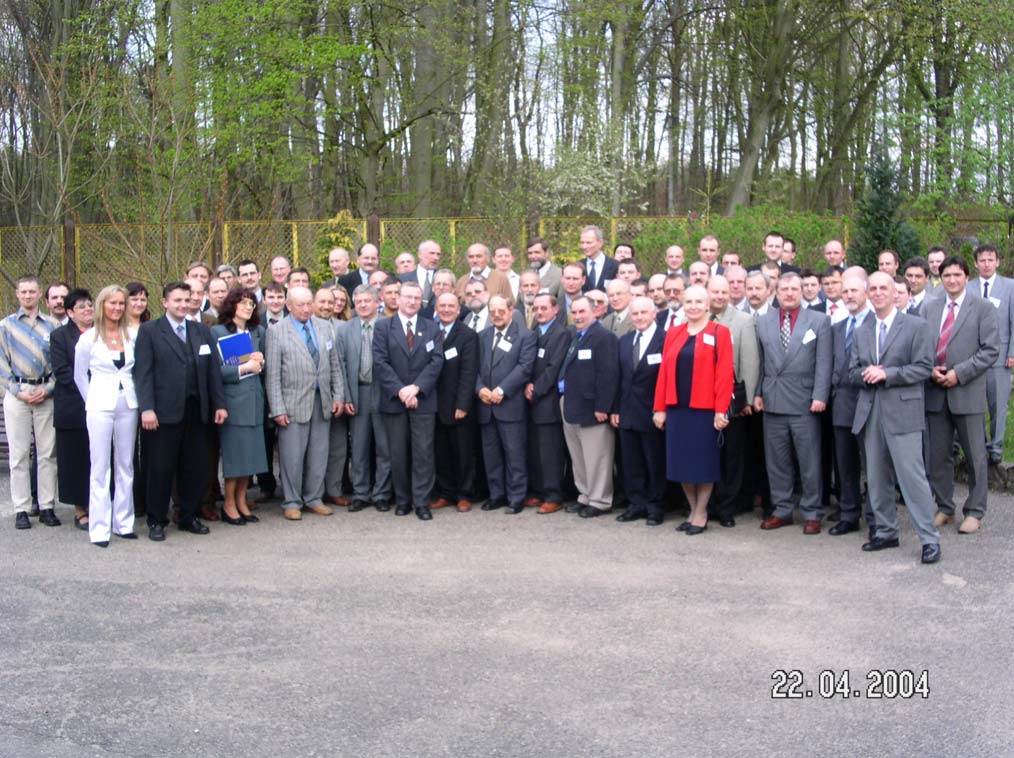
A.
x: 774, y: 522
x: 811, y: 526
x: 970, y: 525
x: 548, y: 507
x: 320, y: 510
x: 529, y: 502
x: 208, y: 513
x: 441, y: 502
x: 464, y: 506
x: 942, y: 519
x: 340, y: 500
x: 293, y: 514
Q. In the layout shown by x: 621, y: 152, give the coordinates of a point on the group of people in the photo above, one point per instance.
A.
x: 577, y: 388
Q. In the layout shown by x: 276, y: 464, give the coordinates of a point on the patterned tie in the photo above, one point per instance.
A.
x: 366, y: 355
x: 309, y: 343
x: 945, y: 334
x: 848, y: 336
x: 881, y: 339
x: 475, y: 322
x: 591, y: 273
x: 181, y: 332
x: 409, y: 336
x: 443, y: 333
x: 498, y: 335
x: 786, y: 332
x: 637, y: 350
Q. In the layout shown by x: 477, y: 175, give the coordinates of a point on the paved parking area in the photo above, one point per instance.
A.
x: 483, y: 634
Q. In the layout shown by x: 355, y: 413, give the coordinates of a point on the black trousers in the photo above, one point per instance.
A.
x: 756, y: 472
x: 177, y: 451
x: 73, y: 466
x: 410, y: 436
x: 547, y: 461
x: 266, y: 482
x: 455, y: 459
x: 848, y: 456
x: 644, y: 468
x: 733, y: 494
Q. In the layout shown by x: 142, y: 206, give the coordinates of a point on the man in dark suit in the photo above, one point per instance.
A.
x: 917, y: 275
x: 708, y: 253
x: 891, y: 360
x: 429, y: 260
x: 407, y: 363
x: 547, y: 449
x: 457, y: 431
x: 368, y: 261
x: 179, y: 392
x: 794, y: 386
x: 965, y: 327
x: 773, y: 246
x: 506, y: 357
x: 588, y: 381
x: 599, y: 268
x: 338, y: 262
x: 642, y: 445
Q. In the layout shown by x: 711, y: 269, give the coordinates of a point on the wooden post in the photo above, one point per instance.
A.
x: 69, y: 263
x: 373, y: 229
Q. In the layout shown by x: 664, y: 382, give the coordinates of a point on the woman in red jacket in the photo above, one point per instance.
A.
x: 692, y: 399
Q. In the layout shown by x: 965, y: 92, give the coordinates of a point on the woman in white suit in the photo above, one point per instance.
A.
x: 106, y: 353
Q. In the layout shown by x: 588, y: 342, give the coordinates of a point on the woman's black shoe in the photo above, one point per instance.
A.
x: 104, y: 543
x: 230, y: 520
x: 692, y: 530
x: 250, y: 519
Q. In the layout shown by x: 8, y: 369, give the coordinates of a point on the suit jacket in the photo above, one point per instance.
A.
x: 158, y: 355
x: 1001, y: 297
x: 972, y: 348
x: 496, y: 284
x: 616, y: 326
x: 745, y: 353
x: 508, y: 368
x: 98, y: 379
x: 551, y: 348
x: 592, y: 376
x: 713, y: 376
x: 844, y: 393
x: 349, y: 343
x: 395, y: 366
x: 609, y: 267
x: 244, y: 398
x: 456, y: 385
x: 907, y: 358
x: 637, y: 386
x: 551, y: 280
x: 290, y: 376
x: 351, y: 280
x: 790, y: 380
x: 68, y: 405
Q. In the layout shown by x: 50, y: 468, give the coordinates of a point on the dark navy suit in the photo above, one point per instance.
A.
x: 547, y: 450
x: 605, y: 270
x: 457, y: 439
x: 509, y: 367
x: 847, y: 446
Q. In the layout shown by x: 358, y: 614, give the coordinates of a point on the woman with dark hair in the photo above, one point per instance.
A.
x: 137, y: 305
x: 342, y: 304
x: 242, y: 435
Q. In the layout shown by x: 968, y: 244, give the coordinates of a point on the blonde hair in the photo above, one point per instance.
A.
x: 100, y: 312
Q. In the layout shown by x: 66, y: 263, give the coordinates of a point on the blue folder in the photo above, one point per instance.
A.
x: 235, y: 348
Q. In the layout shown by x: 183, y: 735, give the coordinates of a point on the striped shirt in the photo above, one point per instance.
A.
x: 24, y: 350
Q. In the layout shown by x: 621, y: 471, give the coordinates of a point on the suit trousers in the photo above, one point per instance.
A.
x: 455, y: 463
x: 111, y: 437
x: 788, y: 437
x: 368, y: 433
x: 592, y: 450
x: 503, y: 450
x: 22, y: 421
x: 733, y: 493
x: 643, y: 455
x: 997, y: 398
x: 412, y: 467
x: 302, y: 459
x: 756, y: 473
x: 72, y: 466
x: 176, y: 451
x: 971, y: 430
x: 547, y: 461
x: 848, y: 453
x: 897, y: 457
x: 337, y: 454
x: 266, y: 480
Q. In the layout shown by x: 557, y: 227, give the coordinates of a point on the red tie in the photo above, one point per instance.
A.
x: 672, y: 320
x: 945, y: 335
x: 833, y: 309
x: 409, y: 335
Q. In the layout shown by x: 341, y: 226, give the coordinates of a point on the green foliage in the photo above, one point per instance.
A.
x: 341, y: 231
x: 880, y: 224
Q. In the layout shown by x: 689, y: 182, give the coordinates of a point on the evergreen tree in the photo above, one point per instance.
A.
x: 879, y: 224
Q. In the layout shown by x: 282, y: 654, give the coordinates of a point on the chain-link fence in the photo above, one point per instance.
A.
x: 29, y: 250
x: 454, y: 235
x: 299, y: 241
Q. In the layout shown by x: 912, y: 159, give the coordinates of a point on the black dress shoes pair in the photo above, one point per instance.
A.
x: 513, y: 508
x: 194, y: 527
x: 589, y: 511
x: 403, y: 510
x: 241, y: 521
x: 879, y: 543
x: 931, y: 553
x: 423, y: 513
x: 492, y: 505
x: 358, y: 505
x: 48, y: 517
x: 843, y: 527
x: 629, y: 515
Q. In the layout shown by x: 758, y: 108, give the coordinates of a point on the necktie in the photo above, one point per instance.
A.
x: 443, y: 334
x: 985, y: 289
x: 591, y: 273
x: 945, y: 334
x: 571, y: 352
x: 712, y: 317
x: 475, y: 322
x: 272, y: 321
x: 786, y: 332
x: 366, y: 355
x: 848, y: 336
x: 637, y: 350
x: 672, y: 320
x: 181, y: 332
x: 496, y: 343
x: 309, y: 343
x: 881, y: 338
x: 911, y: 307
x: 529, y: 316
x: 834, y: 307
x: 409, y: 335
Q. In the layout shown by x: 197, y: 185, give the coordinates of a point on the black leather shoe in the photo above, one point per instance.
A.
x: 492, y: 505
x: 930, y: 553
x: 683, y: 527
x: 423, y: 512
x: 382, y: 507
x: 879, y: 543
x: 653, y: 521
x: 843, y: 527
x: 249, y: 518
x: 195, y: 527
x: 403, y: 510
x: 48, y: 517
x: 79, y: 524
x: 21, y: 521
x: 573, y: 508
x: 358, y: 505
x: 728, y: 523
x: 241, y: 521
x: 629, y: 515
x: 104, y: 543
x: 515, y: 508
x: 692, y: 530
x: 127, y: 536
x: 156, y: 533
x: 589, y: 511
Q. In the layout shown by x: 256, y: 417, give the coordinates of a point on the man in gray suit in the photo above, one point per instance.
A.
x: 618, y: 319
x: 892, y: 356
x: 794, y: 385
x: 355, y: 342
x: 305, y: 387
x: 966, y: 347
x: 998, y: 291
x: 549, y: 273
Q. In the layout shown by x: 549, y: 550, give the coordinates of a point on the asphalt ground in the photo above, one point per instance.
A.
x: 484, y: 634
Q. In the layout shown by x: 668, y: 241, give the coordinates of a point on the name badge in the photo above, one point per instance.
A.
x: 45, y: 337
x: 653, y: 358
x: 450, y: 354
x: 995, y: 301
x: 584, y: 355
x: 809, y: 336
x: 204, y: 350
x: 429, y: 346
x: 327, y: 345
x: 505, y: 346
x: 708, y: 339
x: 542, y: 352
